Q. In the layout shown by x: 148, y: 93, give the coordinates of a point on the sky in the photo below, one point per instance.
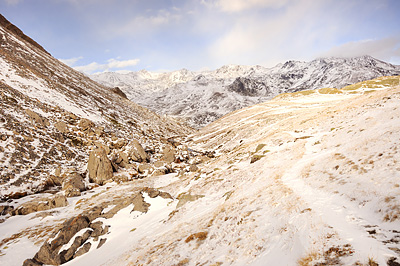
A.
x: 165, y: 35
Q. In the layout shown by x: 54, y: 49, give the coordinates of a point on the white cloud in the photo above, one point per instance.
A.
x: 384, y: 49
x: 241, y: 5
x: 13, y: 2
x: 111, y: 64
x: 71, y: 61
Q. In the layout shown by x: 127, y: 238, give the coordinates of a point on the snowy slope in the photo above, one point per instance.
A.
x: 202, y: 97
x: 324, y: 190
x: 44, y: 104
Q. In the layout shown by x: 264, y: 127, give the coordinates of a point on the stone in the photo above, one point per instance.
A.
x: 85, y: 124
x: 61, y: 126
x: 118, y: 91
x: 31, y: 262
x: 99, y: 167
x: 41, y: 204
x: 185, y: 198
x: 73, y: 181
x: 159, y: 171
x: 139, y: 203
x: 136, y: 152
x: 84, y: 249
x: 49, y: 252
x: 145, y: 168
x: 44, y: 122
x: 193, y: 168
x: 168, y: 154
x: 102, y: 146
x: 101, y: 243
x: 58, y: 200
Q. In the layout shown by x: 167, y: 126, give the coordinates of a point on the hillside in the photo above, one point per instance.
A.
x: 202, y: 97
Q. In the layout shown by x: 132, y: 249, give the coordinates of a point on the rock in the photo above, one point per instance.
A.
x: 31, y: 262
x: 44, y: 122
x: 85, y: 124
x: 5, y: 209
x: 61, y: 126
x: 168, y: 154
x: 84, y: 249
x: 145, y: 168
x: 102, y: 146
x: 193, y: 168
x: 73, y: 181
x: 41, y: 204
x: 99, y: 166
x: 185, y: 198
x: 136, y: 152
x: 118, y: 91
x: 69, y: 253
x: 48, y: 252
x: 102, y: 241
x: 139, y: 203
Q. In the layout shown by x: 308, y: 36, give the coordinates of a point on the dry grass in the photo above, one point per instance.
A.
x: 198, y: 236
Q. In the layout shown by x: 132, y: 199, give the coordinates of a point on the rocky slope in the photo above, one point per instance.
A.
x: 51, y: 117
x: 202, y: 97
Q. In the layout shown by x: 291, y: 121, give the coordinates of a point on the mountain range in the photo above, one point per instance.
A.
x: 202, y: 97
x: 88, y: 177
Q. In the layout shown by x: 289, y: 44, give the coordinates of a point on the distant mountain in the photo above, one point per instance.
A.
x: 202, y: 97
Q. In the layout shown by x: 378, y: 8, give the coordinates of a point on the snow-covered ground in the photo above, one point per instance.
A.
x: 325, y: 189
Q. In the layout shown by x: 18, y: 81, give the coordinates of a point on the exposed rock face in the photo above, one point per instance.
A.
x: 49, y: 252
x: 99, y: 167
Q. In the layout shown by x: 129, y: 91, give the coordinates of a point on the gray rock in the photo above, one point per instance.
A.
x: 99, y: 167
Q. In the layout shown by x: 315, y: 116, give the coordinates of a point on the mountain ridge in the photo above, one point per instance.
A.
x: 238, y: 86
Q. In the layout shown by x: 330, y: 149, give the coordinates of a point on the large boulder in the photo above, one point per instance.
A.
x: 73, y: 185
x: 136, y: 152
x: 99, y: 167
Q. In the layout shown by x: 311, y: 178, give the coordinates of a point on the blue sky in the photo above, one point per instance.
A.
x: 114, y: 35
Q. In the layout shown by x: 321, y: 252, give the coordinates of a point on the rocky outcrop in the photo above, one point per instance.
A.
x: 41, y: 204
x: 99, y: 167
x: 85, y: 124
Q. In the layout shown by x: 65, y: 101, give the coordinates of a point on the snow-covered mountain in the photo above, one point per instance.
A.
x: 89, y: 178
x: 202, y: 97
